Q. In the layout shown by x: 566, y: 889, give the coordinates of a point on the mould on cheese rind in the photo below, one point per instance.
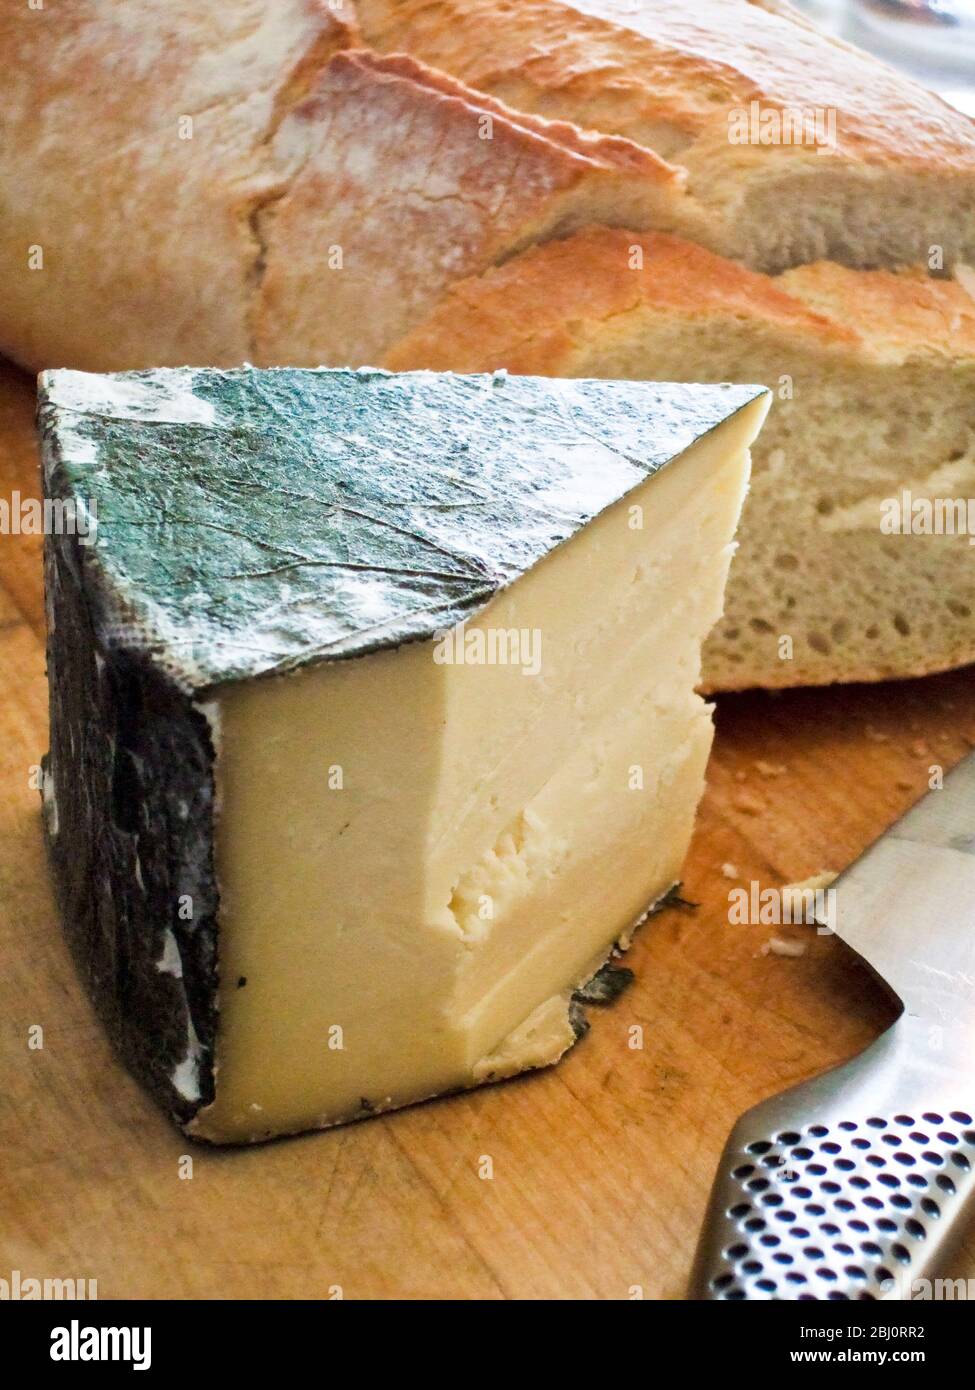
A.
x: 251, y: 523
x: 577, y: 1019
x: 606, y: 985
x: 134, y: 875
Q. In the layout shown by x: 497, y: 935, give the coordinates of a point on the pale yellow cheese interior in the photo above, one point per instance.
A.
x: 419, y: 861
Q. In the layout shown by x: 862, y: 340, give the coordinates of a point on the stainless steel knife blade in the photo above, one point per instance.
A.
x: 908, y: 904
x: 856, y: 1184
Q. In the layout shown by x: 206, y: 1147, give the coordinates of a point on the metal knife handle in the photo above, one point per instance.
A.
x: 851, y: 1186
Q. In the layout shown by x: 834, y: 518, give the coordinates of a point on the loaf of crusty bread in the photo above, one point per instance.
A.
x: 220, y: 185
x: 273, y: 181
x: 874, y: 379
x: 320, y: 205
x: 886, y: 171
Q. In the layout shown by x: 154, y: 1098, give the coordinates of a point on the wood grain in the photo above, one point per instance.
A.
x: 601, y: 1166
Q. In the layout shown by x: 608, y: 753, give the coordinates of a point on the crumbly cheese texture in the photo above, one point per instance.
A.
x: 419, y: 859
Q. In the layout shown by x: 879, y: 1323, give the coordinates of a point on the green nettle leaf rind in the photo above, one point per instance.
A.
x: 253, y: 521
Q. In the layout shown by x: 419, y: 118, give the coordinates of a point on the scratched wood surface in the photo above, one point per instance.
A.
x: 601, y: 1166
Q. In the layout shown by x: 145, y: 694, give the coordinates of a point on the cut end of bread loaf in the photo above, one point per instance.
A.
x: 818, y: 591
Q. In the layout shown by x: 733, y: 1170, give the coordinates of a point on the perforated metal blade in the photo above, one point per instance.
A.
x: 857, y: 1183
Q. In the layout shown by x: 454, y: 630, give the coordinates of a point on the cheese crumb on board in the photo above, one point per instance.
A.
x: 797, y: 896
x: 784, y: 946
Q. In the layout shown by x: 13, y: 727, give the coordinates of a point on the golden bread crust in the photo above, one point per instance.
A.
x: 681, y: 65
x: 520, y: 315
x: 797, y: 147
x: 400, y: 180
x: 132, y: 158
x: 897, y: 314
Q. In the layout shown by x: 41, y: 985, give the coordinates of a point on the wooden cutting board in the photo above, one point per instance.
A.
x: 600, y: 1167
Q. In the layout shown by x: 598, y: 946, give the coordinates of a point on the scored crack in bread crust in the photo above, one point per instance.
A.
x: 899, y: 178
x: 400, y: 180
x: 321, y: 204
x: 594, y: 279
x: 874, y: 379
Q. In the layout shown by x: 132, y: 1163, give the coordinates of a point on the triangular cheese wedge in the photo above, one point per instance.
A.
x: 373, y: 714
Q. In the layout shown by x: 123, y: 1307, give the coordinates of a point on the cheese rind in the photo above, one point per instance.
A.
x: 294, y: 852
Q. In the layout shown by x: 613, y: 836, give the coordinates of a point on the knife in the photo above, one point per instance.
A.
x: 856, y: 1184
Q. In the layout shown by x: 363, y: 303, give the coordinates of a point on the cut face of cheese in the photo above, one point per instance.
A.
x: 411, y: 856
x: 490, y: 830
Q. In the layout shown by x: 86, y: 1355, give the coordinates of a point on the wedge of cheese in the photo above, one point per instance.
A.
x: 373, y: 724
